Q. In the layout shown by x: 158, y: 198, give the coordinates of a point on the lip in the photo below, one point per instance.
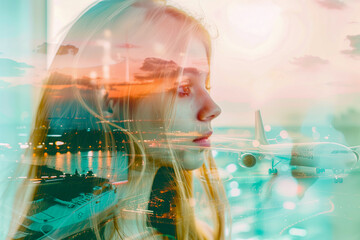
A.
x: 203, y: 140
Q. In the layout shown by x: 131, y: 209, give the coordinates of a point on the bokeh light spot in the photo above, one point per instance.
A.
x: 231, y: 168
x: 284, y: 134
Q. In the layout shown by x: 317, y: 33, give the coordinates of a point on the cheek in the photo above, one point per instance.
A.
x: 147, y: 108
x: 147, y: 118
x: 185, y: 115
x: 151, y: 116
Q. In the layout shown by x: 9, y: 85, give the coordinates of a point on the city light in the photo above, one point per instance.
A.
x: 284, y: 134
x: 214, y: 153
x: 255, y: 143
x: 234, y: 184
x: 235, y: 192
x: 289, y: 205
x: 298, y: 232
x: 267, y: 128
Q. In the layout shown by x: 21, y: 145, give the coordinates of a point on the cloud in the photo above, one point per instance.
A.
x: 309, y: 61
x: 127, y: 45
x: 59, y: 79
x: 62, y: 80
x: 42, y: 48
x: 331, y: 4
x: 158, y: 68
x: 11, y: 68
x: 63, y: 50
x: 4, y: 84
x: 354, y: 44
x: 67, y: 49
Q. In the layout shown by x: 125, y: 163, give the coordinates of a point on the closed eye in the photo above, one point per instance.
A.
x: 184, y: 90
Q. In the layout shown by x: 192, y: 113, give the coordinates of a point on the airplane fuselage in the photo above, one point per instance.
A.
x: 324, y: 155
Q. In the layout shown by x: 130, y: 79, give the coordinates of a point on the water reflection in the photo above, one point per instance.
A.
x: 107, y: 165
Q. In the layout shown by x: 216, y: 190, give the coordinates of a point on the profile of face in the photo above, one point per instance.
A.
x: 187, y: 126
x: 184, y: 107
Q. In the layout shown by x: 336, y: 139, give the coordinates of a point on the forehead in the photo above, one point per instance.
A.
x: 197, y: 56
x: 161, y: 41
x: 167, y: 34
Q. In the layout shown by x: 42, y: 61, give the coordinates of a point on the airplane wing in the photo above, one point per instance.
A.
x: 236, y: 150
x: 227, y: 138
x: 235, y: 145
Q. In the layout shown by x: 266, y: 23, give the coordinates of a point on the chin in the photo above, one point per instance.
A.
x: 192, y: 159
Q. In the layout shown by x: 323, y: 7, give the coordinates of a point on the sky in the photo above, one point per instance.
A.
x: 293, y: 60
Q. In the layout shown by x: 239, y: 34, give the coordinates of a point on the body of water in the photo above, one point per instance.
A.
x: 104, y: 164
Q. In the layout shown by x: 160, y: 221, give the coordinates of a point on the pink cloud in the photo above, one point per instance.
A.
x: 157, y: 68
x: 331, y: 4
x: 127, y: 45
x: 63, y: 49
x: 309, y: 61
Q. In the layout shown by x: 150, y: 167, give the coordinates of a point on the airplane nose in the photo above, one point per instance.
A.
x: 356, y: 155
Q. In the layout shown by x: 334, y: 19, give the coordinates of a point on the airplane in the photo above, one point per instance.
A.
x: 319, y: 155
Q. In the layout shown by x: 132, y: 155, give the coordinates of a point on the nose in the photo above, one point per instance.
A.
x: 209, y: 110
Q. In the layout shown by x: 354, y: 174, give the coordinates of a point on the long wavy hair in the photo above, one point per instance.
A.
x: 115, y: 108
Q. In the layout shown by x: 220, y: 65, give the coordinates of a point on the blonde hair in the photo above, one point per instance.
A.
x: 110, y: 14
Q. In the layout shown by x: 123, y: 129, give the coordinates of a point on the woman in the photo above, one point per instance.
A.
x: 140, y: 68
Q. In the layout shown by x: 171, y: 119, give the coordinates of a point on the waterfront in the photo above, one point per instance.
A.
x: 103, y: 163
x: 262, y: 206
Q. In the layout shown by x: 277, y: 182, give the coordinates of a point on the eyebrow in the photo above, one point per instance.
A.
x: 195, y: 71
x: 191, y: 70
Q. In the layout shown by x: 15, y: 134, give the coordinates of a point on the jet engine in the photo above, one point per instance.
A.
x: 247, y: 160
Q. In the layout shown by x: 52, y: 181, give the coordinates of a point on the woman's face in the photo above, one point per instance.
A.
x: 180, y: 116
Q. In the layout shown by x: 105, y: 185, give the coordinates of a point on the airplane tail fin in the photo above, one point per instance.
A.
x: 259, y: 129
